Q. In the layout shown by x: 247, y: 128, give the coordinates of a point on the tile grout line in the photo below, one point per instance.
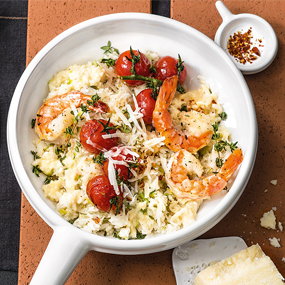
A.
x: 13, y: 18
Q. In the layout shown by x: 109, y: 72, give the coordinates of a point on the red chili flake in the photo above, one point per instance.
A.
x: 256, y: 51
x: 97, y: 220
x: 239, y: 46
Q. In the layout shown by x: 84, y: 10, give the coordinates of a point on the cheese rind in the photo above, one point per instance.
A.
x: 247, y: 267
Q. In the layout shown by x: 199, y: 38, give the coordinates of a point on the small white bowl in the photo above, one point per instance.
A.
x: 260, y: 30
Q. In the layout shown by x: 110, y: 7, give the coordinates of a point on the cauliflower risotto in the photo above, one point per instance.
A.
x: 131, y: 154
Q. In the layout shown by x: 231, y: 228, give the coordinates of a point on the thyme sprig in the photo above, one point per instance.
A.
x: 134, y: 60
x: 221, y: 145
x: 106, y: 127
x: 109, y: 61
x: 37, y: 170
x: 99, y: 158
x: 94, y: 99
x: 33, y: 122
x: 35, y: 154
x: 116, y: 202
x: 109, y: 48
x: 179, y: 65
x: 50, y: 178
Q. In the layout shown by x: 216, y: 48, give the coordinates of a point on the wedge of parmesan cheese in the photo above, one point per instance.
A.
x: 247, y: 267
x: 268, y: 220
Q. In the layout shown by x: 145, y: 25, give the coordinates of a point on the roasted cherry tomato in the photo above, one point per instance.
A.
x: 91, y: 136
x: 166, y: 67
x: 123, y: 66
x: 103, y: 195
x: 146, y: 104
x: 123, y: 171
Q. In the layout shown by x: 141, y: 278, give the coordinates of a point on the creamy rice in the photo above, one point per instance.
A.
x: 149, y: 205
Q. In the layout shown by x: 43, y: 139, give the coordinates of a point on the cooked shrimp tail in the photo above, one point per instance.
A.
x: 174, y: 138
x: 231, y: 164
x: 184, y: 163
x: 167, y: 92
x: 50, y: 125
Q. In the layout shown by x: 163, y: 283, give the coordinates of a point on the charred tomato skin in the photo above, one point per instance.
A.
x: 91, y: 132
x: 100, y: 192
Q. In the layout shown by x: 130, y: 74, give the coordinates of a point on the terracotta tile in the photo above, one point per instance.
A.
x: 48, y: 18
x: 267, y: 89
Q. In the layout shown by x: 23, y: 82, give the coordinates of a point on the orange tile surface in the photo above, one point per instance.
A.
x: 267, y: 89
x: 48, y: 18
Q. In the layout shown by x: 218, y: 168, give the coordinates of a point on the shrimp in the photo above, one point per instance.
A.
x: 180, y: 184
x: 174, y: 138
x: 50, y: 125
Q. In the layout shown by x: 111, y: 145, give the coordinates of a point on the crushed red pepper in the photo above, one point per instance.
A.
x: 240, y: 47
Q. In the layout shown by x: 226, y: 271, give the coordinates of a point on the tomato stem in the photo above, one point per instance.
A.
x: 142, y: 78
x: 154, y: 82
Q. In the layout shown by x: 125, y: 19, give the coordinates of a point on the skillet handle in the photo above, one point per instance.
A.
x: 63, y: 254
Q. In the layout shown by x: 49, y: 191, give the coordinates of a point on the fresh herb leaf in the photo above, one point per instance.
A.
x: 37, y: 170
x: 140, y: 235
x: 50, y: 178
x: 95, y: 98
x: 152, y: 194
x: 99, y: 158
x: 116, y: 234
x: 69, y: 131
x: 61, y: 160
x: 134, y: 164
x: 126, y: 113
x: 215, y: 127
x: 84, y: 108
x: 141, y: 197
x: 127, y: 204
x: 116, y: 202
x: 134, y: 60
x: 223, y: 116
x: 219, y: 162
x: 125, y: 129
x: 109, y: 61
x: 109, y: 49
x: 35, y: 155
x: 33, y: 122
x: 152, y: 69
x: 216, y: 136
x: 106, y: 127
x: 120, y: 180
x: 183, y: 108
x: 179, y: 65
x: 221, y: 145
x: 59, y: 150
x: 72, y: 220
